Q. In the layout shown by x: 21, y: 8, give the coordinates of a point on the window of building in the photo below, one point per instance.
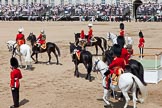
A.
x: 85, y: 1
x: 102, y: 1
x: 62, y: 2
x: 52, y: 2
x: 6, y: 2
x: 27, y: 1
x: 12, y: 2
x: 35, y: 1
x: 19, y: 2
x: 70, y: 1
x: 0, y: 1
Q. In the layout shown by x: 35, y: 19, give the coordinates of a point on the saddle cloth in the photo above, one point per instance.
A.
x: 77, y: 53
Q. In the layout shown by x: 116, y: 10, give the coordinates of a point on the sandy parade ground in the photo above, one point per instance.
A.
x: 54, y: 86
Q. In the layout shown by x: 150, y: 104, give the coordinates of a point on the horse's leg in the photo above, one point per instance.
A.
x: 56, y: 57
x: 89, y: 68
x: 134, y: 96
x: 21, y: 66
x: 126, y: 98
x: 32, y: 56
x: 49, y: 55
x: 76, y: 73
x: 96, y: 49
x: 105, y: 96
x: 101, y: 48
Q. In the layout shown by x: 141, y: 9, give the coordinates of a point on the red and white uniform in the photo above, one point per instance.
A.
x: 15, y: 75
x: 20, y: 39
x: 125, y: 54
x: 117, y: 64
x: 90, y: 34
x: 40, y: 39
x: 121, y: 32
x: 141, y: 43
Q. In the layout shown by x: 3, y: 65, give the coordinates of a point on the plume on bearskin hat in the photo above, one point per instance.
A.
x: 140, y: 34
x: 121, y: 41
x: 14, y: 62
x: 117, y: 50
x: 121, y: 26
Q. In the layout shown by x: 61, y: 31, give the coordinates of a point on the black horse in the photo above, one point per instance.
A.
x: 136, y: 66
x: 85, y: 58
x: 99, y: 42
x: 50, y: 47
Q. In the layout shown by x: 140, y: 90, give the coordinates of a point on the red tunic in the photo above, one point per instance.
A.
x: 121, y: 32
x: 20, y: 39
x: 141, y: 42
x: 125, y: 55
x: 118, y: 62
x: 90, y: 34
x: 15, y: 75
x: 82, y: 36
x: 40, y: 39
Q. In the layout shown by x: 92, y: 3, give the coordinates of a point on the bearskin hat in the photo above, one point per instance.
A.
x: 121, y: 26
x: 117, y: 50
x: 140, y: 34
x: 14, y: 62
x: 121, y: 41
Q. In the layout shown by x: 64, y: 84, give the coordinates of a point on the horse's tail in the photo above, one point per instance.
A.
x: 104, y: 43
x: 58, y: 50
x: 141, y: 72
x: 141, y: 87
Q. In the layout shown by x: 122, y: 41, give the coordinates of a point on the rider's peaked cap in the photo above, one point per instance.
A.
x: 121, y: 41
x: 121, y: 26
x: 117, y: 50
x: 140, y: 34
x: 14, y: 62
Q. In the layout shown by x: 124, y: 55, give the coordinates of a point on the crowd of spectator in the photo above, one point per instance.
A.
x: 106, y: 12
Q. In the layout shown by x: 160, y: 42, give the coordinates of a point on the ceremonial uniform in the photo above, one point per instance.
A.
x: 90, y: 32
x: 20, y: 38
x: 125, y: 55
x: 82, y: 36
x: 122, y: 33
x: 141, y: 43
x: 15, y: 75
x: 42, y: 38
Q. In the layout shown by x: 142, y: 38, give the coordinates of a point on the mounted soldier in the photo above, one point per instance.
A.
x: 20, y: 38
x: 41, y: 40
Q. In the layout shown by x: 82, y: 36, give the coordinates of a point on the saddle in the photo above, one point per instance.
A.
x: 43, y: 46
x: 115, y: 76
x: 77, y: 53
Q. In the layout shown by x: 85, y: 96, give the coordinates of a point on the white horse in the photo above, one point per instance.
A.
x: 113, y: 38
x: 25, y: 51
x: 127, y: 82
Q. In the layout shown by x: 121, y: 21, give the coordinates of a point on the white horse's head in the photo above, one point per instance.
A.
x: 100, y: 66
x: 112, y: 37
x: 11, y: 45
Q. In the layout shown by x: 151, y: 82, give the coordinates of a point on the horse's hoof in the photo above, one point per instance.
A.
x: 48, y: 63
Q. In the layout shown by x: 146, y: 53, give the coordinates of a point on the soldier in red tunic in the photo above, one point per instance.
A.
x: 117, y: 65
x: 141, y: 43
x: 20, y: 38
x: 90, y: 32
x: 15, y: 75
x: 121, y: 30
x: 82, y: 36
x: 124, y: 52
x: 41, y: 38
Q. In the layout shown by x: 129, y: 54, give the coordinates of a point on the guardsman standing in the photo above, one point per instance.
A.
x: 15, y: 75
x: 122, y: 32
x: 141, y: 43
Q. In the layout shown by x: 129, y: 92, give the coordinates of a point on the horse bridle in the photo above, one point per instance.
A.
x: 96, y: 65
